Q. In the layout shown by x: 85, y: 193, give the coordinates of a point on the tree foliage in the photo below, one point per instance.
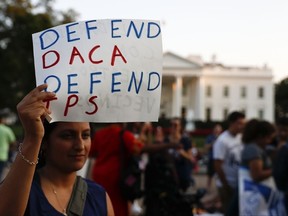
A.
x: 19, y: 19
x: 281, y: 98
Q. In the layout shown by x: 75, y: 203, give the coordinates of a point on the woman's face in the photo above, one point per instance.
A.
x: 68, y: 146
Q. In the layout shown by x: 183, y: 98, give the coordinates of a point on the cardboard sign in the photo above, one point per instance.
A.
x: 101, y: 70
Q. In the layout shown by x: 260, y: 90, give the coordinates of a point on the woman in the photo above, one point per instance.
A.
x: 106, y: 148
x: 183, y: 157
x: 256, y: 136
x: 51, y: 189
x: 162, y: 195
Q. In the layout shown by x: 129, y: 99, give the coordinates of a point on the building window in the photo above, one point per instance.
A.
x: 261, y: 114
x: 208, y: 114
x: 261, y: 92
x: 243, y: 92
x: 226, y: 91
x: 225, y: 113
x: 209, y: 91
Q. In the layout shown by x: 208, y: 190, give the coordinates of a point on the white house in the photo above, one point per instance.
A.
x: 209, y: 91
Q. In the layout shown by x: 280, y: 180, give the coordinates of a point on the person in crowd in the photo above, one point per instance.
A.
x: 162, y: 195
x: 52, y: 188
x: 281, y: 137
x: 183, y: 156
x: 144, y: 132
x: 256, y: 136
x: 7, y: 143
x: 106, y: 149
x: 163, y: 121
x: 226, y: 155
x: 280, y: 159
x: 209, y: 141
x: 282, y: 131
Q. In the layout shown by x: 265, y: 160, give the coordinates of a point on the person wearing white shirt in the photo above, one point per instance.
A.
x: 227, y: 155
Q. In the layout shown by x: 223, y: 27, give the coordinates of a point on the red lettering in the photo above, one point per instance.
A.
x: 116, y: 52
x: 91, y: 53
x: 75, y: 52
x: 48, y: 102
x: 91, y: 100
x: 44, y: 59
x: 72, y: 104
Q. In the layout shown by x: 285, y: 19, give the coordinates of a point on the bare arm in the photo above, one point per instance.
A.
x: 152, y: 148
x: 15, y: 189
x: 188, y: 155
x: 110, y: 211
x: 220, y: 172
x: 257, y: 172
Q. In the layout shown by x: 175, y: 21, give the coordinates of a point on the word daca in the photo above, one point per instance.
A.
x: 76, y: 53
x: 72, y: 91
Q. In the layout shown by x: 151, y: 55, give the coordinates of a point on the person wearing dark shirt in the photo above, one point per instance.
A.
x: 278, y: 151
x: 210, y: 139
x: 51, y: 188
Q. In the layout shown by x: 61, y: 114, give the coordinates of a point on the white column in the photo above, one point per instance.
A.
x: 199, y: 99
x: 177, y: 97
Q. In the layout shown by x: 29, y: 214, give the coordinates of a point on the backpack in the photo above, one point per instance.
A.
x: 130, y: 174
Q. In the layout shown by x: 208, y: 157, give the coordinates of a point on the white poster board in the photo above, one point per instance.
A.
x: 101, y: 70
x: 259, y: 198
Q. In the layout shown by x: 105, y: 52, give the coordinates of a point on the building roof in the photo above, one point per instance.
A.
x: 171, y: 60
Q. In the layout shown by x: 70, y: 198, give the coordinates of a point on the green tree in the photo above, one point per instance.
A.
x: 281, y: 98
x: 19, y: 19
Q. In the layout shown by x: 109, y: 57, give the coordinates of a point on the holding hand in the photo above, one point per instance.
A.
x: 32, y: 110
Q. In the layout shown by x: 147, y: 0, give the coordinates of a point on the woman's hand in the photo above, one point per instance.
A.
x: 32, y: 110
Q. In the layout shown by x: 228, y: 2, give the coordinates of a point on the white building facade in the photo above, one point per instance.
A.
x: 209, y: 91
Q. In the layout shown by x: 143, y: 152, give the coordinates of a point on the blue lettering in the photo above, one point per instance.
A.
x: 149, y: 81
x: 69, y: 39
x: 92, y: 81
x: 114, y: 83
x: 71, y: 84
x: 149, y: 30
x: 88, y: 28
x: 133, y: 78
x: 132, y: 25
x: 50, y: 36
x: 114, y: 28
x: 57, y: 79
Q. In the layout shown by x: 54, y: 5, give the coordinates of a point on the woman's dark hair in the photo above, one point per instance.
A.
x: 255, y: 129
x: 48, y: 128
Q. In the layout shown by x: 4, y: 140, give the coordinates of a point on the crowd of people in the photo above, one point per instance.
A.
x: 166, y: 161
x: 258, y: 145
x: 50, y: 155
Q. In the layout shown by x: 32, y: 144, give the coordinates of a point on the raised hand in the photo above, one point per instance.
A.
x: 32, y: 110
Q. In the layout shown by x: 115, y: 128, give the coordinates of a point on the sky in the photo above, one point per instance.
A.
x: 239, y: 33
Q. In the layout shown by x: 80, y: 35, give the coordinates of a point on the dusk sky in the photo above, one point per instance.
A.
x: 239, y: 33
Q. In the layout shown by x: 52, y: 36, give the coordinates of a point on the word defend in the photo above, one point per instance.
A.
x: 101, y: 70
